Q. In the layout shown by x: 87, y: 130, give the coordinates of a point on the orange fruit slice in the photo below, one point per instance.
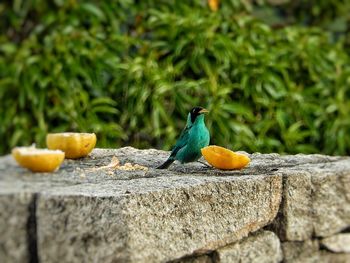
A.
x: 38, y: 160
x: 74, y: 145
x: 223, y: 158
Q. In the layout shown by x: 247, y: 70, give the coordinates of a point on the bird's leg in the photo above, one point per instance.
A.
x: 208, y: 166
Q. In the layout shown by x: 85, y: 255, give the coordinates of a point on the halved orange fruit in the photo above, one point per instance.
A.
x: 38, y: 160
x: 74, y: 145
x: 223, y: 158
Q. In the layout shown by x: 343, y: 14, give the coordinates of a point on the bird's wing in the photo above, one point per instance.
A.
x: 182, y: 141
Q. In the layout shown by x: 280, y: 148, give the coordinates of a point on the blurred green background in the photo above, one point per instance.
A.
x: 275, y: 74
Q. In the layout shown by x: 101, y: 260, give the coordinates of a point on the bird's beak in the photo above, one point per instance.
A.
x: 203, y: 111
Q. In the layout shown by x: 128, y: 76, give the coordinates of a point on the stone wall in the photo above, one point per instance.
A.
x: 280, y: 208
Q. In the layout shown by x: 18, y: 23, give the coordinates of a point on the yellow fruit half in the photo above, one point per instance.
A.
x: 38, y: 160
x: 223, y: 158
x: 75, y: 145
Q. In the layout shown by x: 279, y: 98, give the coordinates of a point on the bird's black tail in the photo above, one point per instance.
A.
x: 166, y: 164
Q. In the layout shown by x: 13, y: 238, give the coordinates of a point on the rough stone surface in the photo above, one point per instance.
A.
x: 309, y: 251
x: 301, y: 251
x: 260, y: 247
x: 84, y: 214
x: 294, y: 220
x: 326, y: 257
x: 315, y: 200
x: 175, y: 221
x: 81, y: 229
x: 331, y: 199
x: 197, y: 259
x: 14, y: 227
x: 337, y: 243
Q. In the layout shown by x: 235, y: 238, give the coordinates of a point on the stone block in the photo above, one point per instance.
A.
x: 301, y: 251
x: 339, y: 243
x: 261, y: 247
x: 201, y: 215
x: 17, y: 223
x: 331, y: 199
x: 315, y: 200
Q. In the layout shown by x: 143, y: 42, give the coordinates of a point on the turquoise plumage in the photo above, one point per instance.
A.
x: 193, y: 138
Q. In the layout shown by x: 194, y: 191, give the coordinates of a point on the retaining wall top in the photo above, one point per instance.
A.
x: 83, y: 213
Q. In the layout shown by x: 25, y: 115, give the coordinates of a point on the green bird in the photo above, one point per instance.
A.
x: 193, y: 138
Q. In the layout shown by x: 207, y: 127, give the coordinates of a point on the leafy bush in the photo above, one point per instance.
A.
x: 130, y: 71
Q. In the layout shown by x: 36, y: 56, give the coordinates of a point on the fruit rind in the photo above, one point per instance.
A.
x: 223, y: 158
x: 75, y: 145
x: 38, y: 160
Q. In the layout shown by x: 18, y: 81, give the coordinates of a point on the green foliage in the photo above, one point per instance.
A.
x: 131, y: 70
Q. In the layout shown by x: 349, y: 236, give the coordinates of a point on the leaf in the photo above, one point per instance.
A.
x: 93, y: 10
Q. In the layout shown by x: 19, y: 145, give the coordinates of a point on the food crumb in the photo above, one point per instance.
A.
x: 115, y: 164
